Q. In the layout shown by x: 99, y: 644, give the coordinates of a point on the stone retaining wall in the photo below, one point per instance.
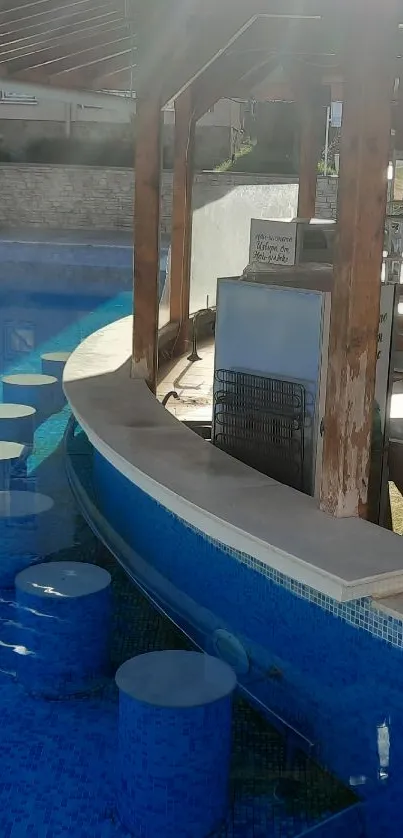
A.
x: 84, y: 197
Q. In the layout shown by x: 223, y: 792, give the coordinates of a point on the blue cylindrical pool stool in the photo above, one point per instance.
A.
x: 64, y: 618
x: 175, y: 711
x: 12, y: 461
x: 17, y: 423
x: 40, y: 391
x: 53, y: 363
x: 24, y: 518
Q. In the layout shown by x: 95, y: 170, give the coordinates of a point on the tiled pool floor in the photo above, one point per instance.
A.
x: 57, y: 767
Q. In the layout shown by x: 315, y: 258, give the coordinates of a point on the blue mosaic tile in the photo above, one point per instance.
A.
x: 333, y: 671
x: 360, y: 613
x: 173, y: 768
x: 59, y: 759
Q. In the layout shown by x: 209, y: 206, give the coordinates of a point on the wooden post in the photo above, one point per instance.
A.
x: 368, y: 87
x: 182, y: 216
x: 146, y: 226
x: 312, y: 123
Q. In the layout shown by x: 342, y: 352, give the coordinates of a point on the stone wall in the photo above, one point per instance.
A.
x: 75, y: 197
x: 326, y: 197
x: 84, y: 197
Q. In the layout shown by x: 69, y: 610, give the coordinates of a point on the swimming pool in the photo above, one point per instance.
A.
x: 57, y: 768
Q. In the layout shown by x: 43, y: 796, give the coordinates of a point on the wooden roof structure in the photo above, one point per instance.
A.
x: 195, y: 52
x: 125, y: 45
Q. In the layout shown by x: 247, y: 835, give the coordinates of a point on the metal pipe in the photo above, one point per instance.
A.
x: 194, y: 355
x: 166, y: 398
x: 327, y: 141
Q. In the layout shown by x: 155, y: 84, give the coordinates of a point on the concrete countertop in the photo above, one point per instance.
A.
x: 223, y: 498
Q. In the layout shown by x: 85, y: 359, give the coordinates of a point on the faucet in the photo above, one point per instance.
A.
x: 166, y: 398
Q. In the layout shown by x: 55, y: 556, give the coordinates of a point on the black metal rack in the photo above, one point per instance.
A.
x: 260, y: 421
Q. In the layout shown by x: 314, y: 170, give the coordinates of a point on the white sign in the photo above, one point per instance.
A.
x: 272, y: 243
x: 336, y: 114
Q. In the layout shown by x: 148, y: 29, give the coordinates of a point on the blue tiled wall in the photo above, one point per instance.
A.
x: 333, y: 671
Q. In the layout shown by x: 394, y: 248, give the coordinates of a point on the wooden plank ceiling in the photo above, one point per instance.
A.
x: 163, y: 45
x: 68, y: 43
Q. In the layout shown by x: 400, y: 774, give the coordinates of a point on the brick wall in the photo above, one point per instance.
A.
x: 84, y: 197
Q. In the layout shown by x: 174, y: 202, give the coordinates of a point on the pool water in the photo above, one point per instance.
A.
x: 57, y: 769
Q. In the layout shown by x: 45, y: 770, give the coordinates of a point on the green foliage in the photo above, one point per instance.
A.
x: 253, y: 157
x: 330, y: 172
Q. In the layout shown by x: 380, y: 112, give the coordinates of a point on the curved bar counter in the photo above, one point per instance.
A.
x: 223, y: 498
x: 307, y: 608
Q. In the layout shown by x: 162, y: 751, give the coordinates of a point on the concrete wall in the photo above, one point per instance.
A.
x: 214, y: 143
x: 84, y: 197
x: 21, y: 124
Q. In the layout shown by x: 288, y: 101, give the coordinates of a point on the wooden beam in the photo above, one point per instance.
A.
x: 215, y: 82
x: 182, y: 216
x: 75, y: 46
x: 369, y: 64
x: 312, y: 138
x: 146, y: 237
x: 67, y: 61
x: 57, y: 37
x: 86, y: 75
x: 67, y: 25
x: 47, y: 10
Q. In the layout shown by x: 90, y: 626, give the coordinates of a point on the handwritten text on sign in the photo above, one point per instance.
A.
x: 272, y: 242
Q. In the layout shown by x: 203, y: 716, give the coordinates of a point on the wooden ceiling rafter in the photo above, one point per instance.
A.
x: 86, y: 76
x: 59, y: 34
x: 68, y: 60
x: 46, y: 55
x: 32, y: 12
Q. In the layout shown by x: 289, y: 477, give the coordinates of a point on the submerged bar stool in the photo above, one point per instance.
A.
x: 24, y: 518
x: 175, y: 712
x: 64, y: 617
x: 17, y: 423
x: 35, y: 389
x: 53, y: 363
x: 12, y: 462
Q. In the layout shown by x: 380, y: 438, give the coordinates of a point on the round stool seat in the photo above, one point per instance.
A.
x: 23, y: 525
x: 176, y: 679
x: 12, y: 456
x: 29, y: 379
x: 38, y: 390
x: 17, y: 422
x: 65, y: 611
x: 174, y: 743
x: 11, y: 450
x: 55, y: 357
x: 53, y: 363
